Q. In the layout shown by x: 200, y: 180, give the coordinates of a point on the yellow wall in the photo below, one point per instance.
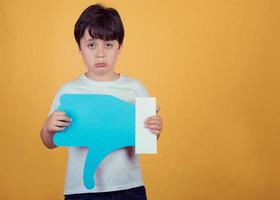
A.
x: 213, y: 65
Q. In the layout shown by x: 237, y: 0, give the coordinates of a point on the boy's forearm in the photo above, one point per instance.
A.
x: 47, y: 139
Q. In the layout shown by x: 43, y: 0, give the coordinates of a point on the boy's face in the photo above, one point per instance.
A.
x: 99, y: 55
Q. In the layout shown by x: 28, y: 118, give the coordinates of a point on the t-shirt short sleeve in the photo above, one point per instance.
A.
x: 142, y: 91
x: 55, y: 104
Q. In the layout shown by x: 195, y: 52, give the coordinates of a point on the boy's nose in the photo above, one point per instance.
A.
x: 100, y: 52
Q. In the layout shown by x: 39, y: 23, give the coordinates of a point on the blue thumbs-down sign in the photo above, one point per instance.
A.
x: 102, y: 123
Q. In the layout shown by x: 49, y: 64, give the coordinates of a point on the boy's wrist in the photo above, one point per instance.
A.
x: 45, y: 130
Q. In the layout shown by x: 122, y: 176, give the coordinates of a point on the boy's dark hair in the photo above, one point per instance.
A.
x: 102, y: 23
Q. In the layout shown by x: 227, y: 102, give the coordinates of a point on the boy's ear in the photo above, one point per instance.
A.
x: 120, y: 48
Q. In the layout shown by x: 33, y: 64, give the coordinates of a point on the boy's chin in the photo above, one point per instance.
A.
x: 99, y: 71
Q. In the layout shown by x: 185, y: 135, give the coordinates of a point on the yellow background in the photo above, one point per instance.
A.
x: 213, y: 66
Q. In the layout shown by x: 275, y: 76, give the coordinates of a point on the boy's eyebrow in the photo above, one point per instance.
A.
x: 92, y: 39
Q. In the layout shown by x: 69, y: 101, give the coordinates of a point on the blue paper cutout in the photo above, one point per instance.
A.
x: 102, y: 123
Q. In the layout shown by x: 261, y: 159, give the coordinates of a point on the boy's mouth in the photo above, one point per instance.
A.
x: 100, y: 65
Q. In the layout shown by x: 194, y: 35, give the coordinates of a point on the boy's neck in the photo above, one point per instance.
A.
x: 103, y: 77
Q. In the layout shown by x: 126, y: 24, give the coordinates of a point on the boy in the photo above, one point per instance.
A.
x: 99, y: 34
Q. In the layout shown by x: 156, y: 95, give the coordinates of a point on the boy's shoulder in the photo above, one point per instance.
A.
x: 130, y: 79
x: 138, y: 85
x: 68, y: 86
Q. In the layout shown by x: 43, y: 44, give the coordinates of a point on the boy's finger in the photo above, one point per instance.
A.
x: 155, y: 117
x: 64, y: 118
x: 153, y: 126
x: 62, y: 124
x: 59, y: 128
x: 153, y: 121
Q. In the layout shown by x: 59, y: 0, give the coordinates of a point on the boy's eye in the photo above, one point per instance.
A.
x: 91, y: 45
x: 109, y: 45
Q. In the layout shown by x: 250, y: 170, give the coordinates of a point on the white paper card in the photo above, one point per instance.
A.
x: 145, y: 141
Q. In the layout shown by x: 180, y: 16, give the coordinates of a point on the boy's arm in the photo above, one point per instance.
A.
x: 57, y: 121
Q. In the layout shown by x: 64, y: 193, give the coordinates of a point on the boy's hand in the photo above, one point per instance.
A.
x: 154, y: 123
x: 57, y: 121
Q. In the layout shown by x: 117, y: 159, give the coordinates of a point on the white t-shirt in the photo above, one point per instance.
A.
x: 120, y: 169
